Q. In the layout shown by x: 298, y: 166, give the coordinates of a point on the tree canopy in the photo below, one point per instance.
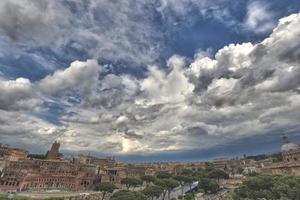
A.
x: 269, y: 187
x: 182, y: 179
x: 131, y: 182
x: 153, y: 191
x: 128, y: 195
x: 105, y: 188
x: 148, y: 178
x: 163, y: 175
x: 208, y: 185
x: 217, y: 174
x: 167, y: 184
x: 187, y: 172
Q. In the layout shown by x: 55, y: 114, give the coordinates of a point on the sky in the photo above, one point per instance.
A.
x: 153, y: 80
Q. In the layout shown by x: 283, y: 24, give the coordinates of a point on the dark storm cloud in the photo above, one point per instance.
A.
x: 196, y: 131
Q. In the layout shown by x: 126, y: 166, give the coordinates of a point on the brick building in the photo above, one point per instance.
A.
x: 52, y: 173
x: 12, y: 154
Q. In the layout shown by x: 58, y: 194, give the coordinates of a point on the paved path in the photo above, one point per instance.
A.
x: 177, y: 191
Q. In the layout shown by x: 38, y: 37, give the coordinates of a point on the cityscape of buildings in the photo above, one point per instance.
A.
x: 21, y: 171
x: 149, y: 100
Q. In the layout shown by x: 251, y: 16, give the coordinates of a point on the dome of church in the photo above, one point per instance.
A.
x: 289, y: 147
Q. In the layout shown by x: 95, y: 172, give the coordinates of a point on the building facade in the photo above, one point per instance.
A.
x: 12, y: 154
x: 51, y: 173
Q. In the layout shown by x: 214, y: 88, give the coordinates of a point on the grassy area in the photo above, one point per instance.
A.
x: 5, y: 197
x: 47, y: 195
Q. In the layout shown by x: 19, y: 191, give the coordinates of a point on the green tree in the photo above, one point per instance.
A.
x: 269, y: 187
x: 187, y: 172
x: 201, y: 174
x: 164, y: 175
x: 128, y: 195
x: 148, y: 179
x: 131, y: 182
x: 182, y: 180
x: 168, y: 185
x: 161, y: 183
x: 208, y: 185
x: 105, y: 188
x: 217, y: 174
x: 191, y: 175
x: 180, y: 197
x: 153, y: 191
x: 209, y: 166
x: 189, y: 197
x: 190, y: 180
x: 36, y: 156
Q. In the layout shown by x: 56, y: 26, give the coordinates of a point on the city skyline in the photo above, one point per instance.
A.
x: 232, y: 150
x: 180, y: 80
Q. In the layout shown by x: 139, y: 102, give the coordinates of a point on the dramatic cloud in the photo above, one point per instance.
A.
x: 244, y: 89
x: 241, y: 90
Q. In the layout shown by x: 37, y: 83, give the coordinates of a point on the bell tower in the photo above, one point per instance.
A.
x: 54, y: 151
